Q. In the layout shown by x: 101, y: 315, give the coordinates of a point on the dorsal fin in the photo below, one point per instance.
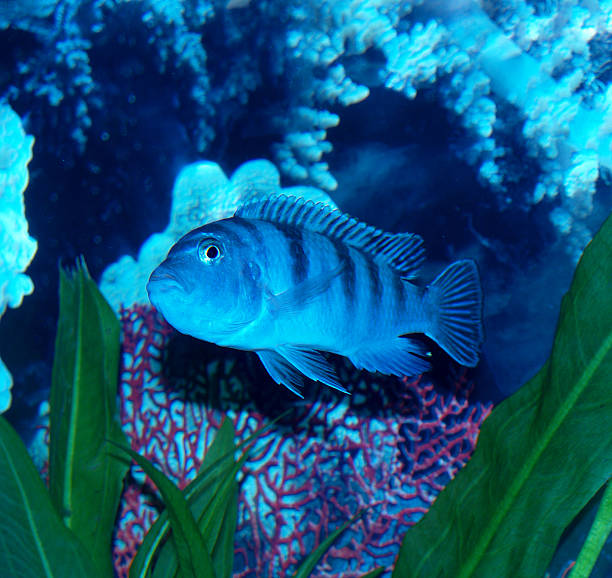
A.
x: 403, y: 252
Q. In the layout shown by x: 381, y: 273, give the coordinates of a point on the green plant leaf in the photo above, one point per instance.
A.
x: 374, y: 573
x: 309, y: 563
x: 600, y: 530
x: 145, y: 559
x: 215, y: 509
x: 211, y: 471
x: 34, y: 543
x: 218, y: 518
x: 193, y: 556
x: 223, y: 552
x: 85, y: 482
x: 541, y: 455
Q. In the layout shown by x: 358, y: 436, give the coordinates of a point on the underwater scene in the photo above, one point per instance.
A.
x: 297, y: 288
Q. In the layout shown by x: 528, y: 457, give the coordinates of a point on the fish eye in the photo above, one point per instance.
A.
x: 209, y: 252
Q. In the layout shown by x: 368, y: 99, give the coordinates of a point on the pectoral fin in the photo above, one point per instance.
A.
x: 297, y: 297
x: 231, y: 328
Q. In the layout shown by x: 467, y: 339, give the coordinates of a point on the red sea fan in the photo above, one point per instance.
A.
x: 303, y: 478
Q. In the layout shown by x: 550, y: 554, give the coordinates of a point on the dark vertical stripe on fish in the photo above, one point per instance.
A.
x: 252, y: 229
x: 255, y: 237
x: 348, y: 271
x: 298, y: 255
x: 299, y: 259
x: 376, y: 286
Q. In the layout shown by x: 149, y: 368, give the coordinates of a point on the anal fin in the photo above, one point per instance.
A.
x: 312, y: 364
x: 288, y: 364
x: 399, y: 356
x: 281, y: 371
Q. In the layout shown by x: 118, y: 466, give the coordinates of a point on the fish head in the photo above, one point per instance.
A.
x: 209, y: 284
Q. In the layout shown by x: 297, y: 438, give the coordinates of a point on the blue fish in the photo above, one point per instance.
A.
x: 290, y: 278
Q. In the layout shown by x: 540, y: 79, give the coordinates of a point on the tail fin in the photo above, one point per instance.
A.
x: 456, y: 298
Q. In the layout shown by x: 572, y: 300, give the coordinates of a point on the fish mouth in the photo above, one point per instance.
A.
x: 165, y: 279
x: 161, y: 276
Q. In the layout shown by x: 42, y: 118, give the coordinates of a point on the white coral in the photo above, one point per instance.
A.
x: 201, y: 194
x: 17, y: 248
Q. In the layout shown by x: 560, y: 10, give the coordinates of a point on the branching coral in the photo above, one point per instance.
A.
x: 522, y: 79
x: 59, y: 70
x: 556, y: 59
x: 58, y: 65
x: 549, y: 66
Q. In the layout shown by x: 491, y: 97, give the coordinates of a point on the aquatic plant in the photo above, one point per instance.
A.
x: 541, y: 456
x: 85, y: 481
x: 66, y: 531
